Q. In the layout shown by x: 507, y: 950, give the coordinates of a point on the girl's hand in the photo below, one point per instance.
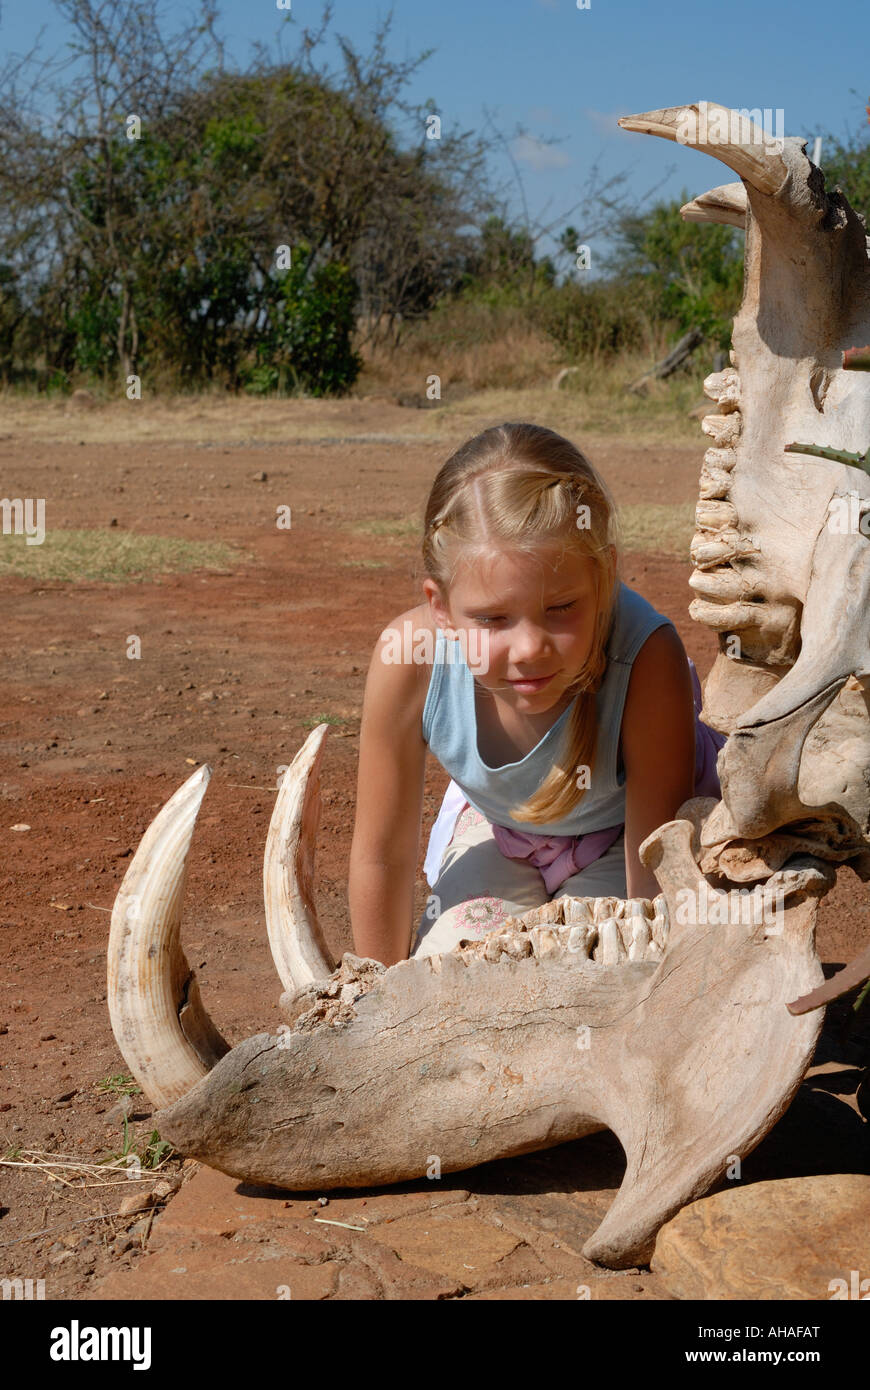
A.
x: 658, y: 748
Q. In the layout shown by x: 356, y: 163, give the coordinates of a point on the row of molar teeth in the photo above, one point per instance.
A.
x: 605, y: 930
x: 634, y: 929
x: 718, y: 541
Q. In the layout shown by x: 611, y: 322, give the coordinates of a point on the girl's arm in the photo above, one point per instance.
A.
x: 658, y: 748
x: 389, y: 805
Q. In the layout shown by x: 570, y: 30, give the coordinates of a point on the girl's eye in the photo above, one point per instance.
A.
x: 557, y: 608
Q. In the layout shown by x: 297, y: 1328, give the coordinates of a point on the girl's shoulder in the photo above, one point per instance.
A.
x: 633, y: 620
x: 401, y: 665
x: 410, y: 639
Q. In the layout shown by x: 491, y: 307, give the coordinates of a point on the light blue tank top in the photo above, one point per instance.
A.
x: 450, y: 730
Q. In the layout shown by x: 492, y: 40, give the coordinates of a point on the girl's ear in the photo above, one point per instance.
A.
x: 437, y: 605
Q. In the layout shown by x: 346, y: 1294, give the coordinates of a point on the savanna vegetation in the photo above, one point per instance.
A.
x: 288, y: 229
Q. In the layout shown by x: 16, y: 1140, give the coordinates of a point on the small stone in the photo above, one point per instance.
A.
x: 120, y: 1110
x: 260, y: 477
x: 137, y: 1201
x: 114, y: 520
x: 165, y: 1188
x: 122, y: 1244
x: 20, y: 826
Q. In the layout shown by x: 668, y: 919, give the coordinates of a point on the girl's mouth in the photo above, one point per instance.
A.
x: 527, y: 686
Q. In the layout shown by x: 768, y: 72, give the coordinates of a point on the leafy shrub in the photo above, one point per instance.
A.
x: 306, y: 342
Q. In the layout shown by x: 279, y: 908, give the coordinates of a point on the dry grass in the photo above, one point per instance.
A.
x: 592, y: 400
x: 658, y: 527
x: 473, y: 345
x: 71, y: 1171
x: 661, y: 528
x: 113, y: 556
x: 218, y: 419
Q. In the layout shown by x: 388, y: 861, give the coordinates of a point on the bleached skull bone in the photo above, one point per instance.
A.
x: 778, y: 575
x: 582, y: 1015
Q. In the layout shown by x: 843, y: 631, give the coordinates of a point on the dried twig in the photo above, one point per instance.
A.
x: 324, y: 1221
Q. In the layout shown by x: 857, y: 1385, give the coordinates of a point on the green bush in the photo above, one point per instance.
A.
x: 597, y: 320
x: 306, y: 342
x: 692, y: 272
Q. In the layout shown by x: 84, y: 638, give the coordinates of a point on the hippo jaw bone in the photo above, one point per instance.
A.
x: 638, y: 1017
x: 778, y: 576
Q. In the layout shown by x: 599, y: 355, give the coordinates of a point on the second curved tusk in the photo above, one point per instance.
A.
x: 297, y: 943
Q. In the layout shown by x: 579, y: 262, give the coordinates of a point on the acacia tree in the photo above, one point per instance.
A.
x: 160, y: 251
x: 71, y: 169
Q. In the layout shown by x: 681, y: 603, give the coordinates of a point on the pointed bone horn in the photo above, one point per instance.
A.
x: 728, y: 135
x: 295, y: 937
x: 725, y: 204
x: 162, y: 1030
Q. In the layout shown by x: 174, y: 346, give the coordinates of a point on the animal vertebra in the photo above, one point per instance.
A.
x: 663, y: 1024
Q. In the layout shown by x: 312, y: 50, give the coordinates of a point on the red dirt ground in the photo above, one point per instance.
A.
x: 232, y: 667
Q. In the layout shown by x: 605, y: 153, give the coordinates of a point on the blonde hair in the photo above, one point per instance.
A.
x: 524, y: 484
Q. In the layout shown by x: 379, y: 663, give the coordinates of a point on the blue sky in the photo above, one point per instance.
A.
x: 568, y: 73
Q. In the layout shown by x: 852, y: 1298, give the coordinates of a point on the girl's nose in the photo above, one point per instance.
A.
x: 529, y: 644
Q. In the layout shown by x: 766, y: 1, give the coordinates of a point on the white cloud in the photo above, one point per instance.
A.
x: 605, y: 121
x: 538, y: 155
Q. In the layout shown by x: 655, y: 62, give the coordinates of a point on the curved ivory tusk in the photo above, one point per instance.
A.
x: 728, y: 135
x: 725, y: 204
x: 164, y: 1034
x: 296, y: 940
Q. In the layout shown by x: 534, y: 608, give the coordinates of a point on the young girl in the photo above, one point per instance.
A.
x: 560, y: 702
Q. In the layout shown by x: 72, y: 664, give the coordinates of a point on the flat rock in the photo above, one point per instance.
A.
x: 211, y: 1203
x: 771, y: 1240
x: 213, y: 1268
x: 462, y: 1248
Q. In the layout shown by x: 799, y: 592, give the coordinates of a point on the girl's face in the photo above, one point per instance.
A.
x: 528, y: 619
